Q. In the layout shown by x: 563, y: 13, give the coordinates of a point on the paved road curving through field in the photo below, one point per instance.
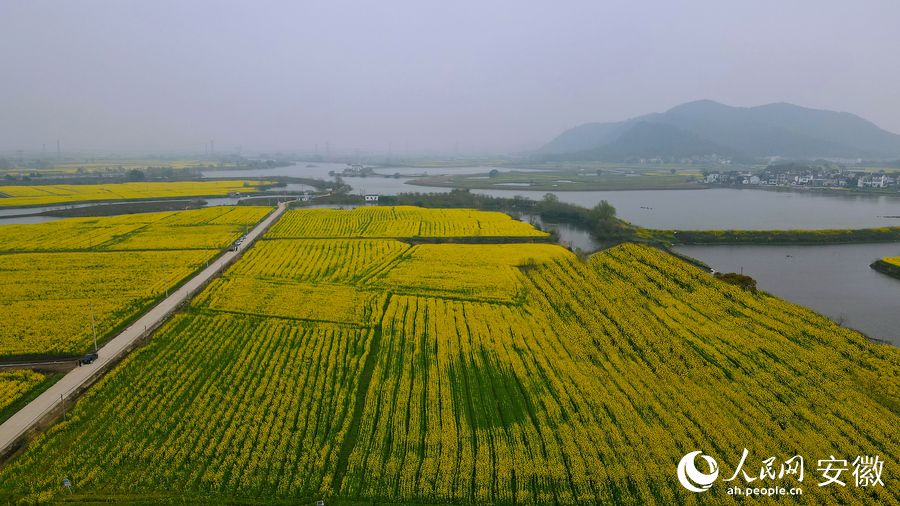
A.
x: 18, y: 424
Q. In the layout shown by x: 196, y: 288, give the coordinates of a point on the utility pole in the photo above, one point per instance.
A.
x: 93, y: 327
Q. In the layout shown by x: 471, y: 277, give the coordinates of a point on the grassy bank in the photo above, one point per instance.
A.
x: 889, y: 266
x: 579, y: 180
x: 830, y: 236
x: 126, y: 208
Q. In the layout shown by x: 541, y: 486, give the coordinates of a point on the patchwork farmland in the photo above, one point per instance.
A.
x: 52, y: 274
x: 339, y: 360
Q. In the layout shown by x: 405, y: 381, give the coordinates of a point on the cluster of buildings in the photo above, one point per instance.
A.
x: 810, y: 177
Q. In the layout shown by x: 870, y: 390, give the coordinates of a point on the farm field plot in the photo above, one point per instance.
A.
x: 321, y: 302
x: 16, y: 384
x: 58, y: 194
x: 208, y: 228
x: 319, y: 260
x: 617, y: 369
x: 51, y: 274
x: 232, y: 405
x: 399, y: 221
x: 470, y: 271
x: 46, y: 297
x: 586, y: 387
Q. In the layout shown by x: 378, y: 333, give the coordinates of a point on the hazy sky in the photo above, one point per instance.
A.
x: 489, y: 75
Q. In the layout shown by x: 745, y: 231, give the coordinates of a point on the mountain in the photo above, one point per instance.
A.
x: 668, y: 141
x: 706, y: 127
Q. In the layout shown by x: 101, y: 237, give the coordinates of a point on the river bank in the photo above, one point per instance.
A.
x: 764, y: 237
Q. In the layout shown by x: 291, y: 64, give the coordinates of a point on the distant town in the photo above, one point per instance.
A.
x: 801, y: 175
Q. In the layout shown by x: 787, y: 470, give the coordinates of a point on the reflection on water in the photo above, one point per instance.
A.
x: 834, y: 280
x: 569, y: 235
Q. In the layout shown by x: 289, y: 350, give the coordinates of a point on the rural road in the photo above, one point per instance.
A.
x: 69, y: 384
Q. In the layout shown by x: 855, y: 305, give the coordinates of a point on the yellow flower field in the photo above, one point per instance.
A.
x: 207, y: 228
x: 15, y: 384
x: 892, y: 260
x: 319, y: 260
x: 399, y: 221
x: 51, y: 273
x: 470, y: 271
x: 365, y: 371
x: 320, y: 302
x: 46, y: 297
x: 39, y: 195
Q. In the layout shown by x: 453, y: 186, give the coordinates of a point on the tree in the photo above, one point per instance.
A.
x: 550, y: 198
x: 136, y: 175
x: 603, y: 220
x: 493, y: 173
x: 604, y: 211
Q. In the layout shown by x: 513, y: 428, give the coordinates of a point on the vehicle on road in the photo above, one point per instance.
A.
x: 88, y: 359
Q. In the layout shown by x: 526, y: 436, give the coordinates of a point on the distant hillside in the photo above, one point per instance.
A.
x: 668, y: 141
x: 706, y: 127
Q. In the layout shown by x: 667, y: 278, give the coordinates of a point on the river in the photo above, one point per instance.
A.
x: 721, y: 208
x: 717, y: 208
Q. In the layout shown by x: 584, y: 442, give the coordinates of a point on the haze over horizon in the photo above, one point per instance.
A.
x: 408, y: 75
